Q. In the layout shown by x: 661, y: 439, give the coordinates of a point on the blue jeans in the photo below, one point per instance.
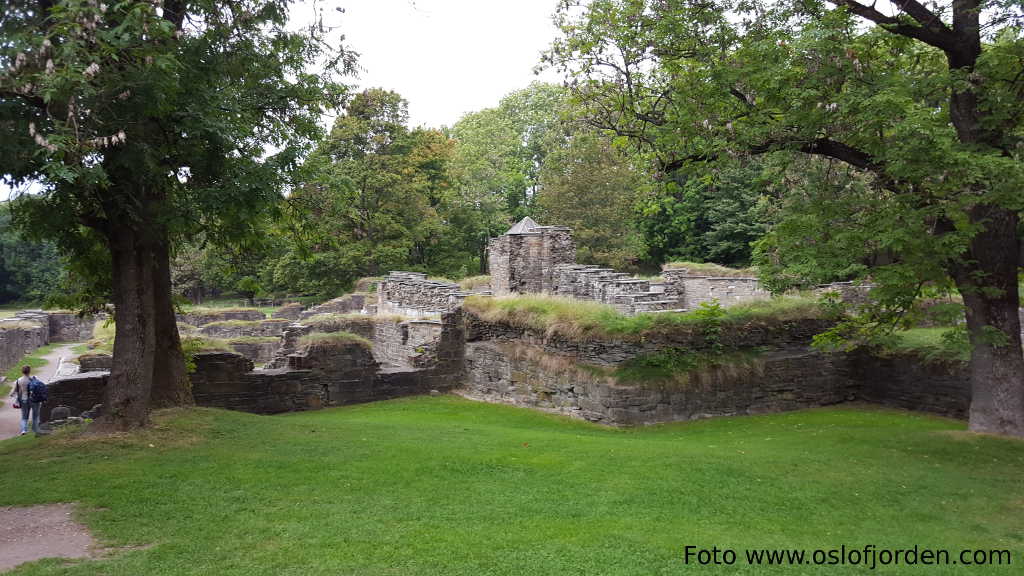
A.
x: 30, y: 407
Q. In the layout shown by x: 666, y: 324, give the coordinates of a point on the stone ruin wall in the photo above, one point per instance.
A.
x: 18, y: 339
x: 525, y: 262
x: 309, y: 377
x: 354, y: 303
x: 413, y: 294
x: 30, y: 329
x: 247, y: 328
x: 533, y: 259
x: 519, y: 367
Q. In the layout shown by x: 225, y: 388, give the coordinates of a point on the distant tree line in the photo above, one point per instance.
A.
x: 379, y: 195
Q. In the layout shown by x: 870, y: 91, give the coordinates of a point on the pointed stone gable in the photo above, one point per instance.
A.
x: 524, y: 226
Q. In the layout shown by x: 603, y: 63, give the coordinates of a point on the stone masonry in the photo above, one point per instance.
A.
x: 535, y: 259
x: 413, y: 294
x: 523, y: 260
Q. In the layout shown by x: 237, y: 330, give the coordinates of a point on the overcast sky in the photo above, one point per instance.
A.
x: 446, y: 57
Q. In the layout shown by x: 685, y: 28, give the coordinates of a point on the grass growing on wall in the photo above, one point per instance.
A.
x: 681, y: 367
x: 9, y: 310
x: 443, y: 486
x: 327, y: 339
x: 580, y: 319
x: 245, y: 323
x: 333, y: 322
x: 216, y: 311
x: 253, y: 340
x: 709, y: 269
x: 473, y: 282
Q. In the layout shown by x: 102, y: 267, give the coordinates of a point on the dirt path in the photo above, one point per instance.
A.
x: 10, y: 419
x: 37, y: 532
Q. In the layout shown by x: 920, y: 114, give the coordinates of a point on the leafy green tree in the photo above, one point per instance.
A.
x: 30, y: 271
x: 591, y: 187
x: 705, y: 215
x: 925, y: 101
x: 372, y: 199
x: 146, y: 122
x: 498, y: 157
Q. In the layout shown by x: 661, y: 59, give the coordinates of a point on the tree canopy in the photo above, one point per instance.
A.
x: 923, y: 102
x: 145, y: 123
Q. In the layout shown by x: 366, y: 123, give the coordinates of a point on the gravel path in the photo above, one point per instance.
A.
x: 37, y: 532
x: 10, y: 419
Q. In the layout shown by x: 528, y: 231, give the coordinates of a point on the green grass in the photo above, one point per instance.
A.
x: 678, y: 367
x: 195, y: 344
x: 330, y: 322
x: 323, y: 339
x: 243, y: 323
x: 581, y: 319
x: 213, y: 310
x: 9, y: 310
x: 936, y: 344
x: 709, y: 269
x: 103, y: 337
x: 473, y: 282
x: 444, y: 486
x: 253, y: 340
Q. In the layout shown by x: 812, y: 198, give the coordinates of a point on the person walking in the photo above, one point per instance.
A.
x: 29, y: 399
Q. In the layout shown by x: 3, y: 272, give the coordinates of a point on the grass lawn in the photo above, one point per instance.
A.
x: 444, y: 486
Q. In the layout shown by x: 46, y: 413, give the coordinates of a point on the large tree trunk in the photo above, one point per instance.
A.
x: 131, y: 374
x: 171, y: 386
x: 988, y: 283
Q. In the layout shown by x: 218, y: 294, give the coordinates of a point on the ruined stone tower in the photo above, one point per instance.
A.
x: 523, y: 260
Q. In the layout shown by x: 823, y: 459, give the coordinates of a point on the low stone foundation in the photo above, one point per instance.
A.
x: 244, y: 328
x: 79, y: 392
x: 776, y: 381
x: 258, y: 350
x: 357, y: 302
x: 203, y: 317
x: 18, y: 338
x: 94, y: 362
x: 907, y: 382
x: 413, y: 294
x: 291, y: 311
x: 70, y: 327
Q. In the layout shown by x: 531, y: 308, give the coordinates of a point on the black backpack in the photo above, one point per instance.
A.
x: 37, y: 390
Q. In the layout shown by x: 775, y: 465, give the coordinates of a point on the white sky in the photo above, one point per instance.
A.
x: 446, y: 57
